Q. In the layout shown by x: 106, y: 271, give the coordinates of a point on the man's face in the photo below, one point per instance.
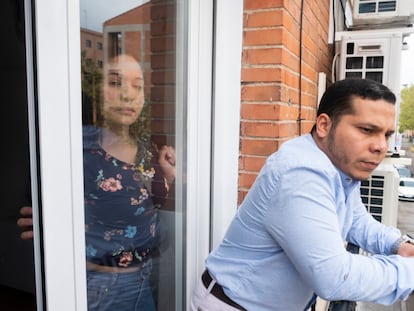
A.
x: 359, y: 141
x: 123, y: 91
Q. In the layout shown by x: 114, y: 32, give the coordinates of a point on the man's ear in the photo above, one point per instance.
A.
x: 323, y: 125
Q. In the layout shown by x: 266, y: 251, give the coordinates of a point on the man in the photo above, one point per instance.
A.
x: 286, y: 245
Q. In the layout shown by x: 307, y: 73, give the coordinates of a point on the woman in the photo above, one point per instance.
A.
x: 125, y: 180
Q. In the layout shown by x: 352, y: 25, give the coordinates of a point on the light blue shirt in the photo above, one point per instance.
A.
x: 287, y: 240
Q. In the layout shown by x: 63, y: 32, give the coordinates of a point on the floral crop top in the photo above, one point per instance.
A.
x: 121, y: 218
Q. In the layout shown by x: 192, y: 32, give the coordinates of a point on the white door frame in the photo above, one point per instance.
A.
x: 214, y: 105
x: 59, y: 146
x: 226, y: 114
x: 210, y: 191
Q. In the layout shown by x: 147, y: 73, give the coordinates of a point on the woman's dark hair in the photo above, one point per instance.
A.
x: 338, y: 97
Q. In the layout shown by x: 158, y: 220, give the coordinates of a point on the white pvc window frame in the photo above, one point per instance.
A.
x: 214, y: 59
x: 226, y: 114
x: 56, y: 153
x: 214, y: 78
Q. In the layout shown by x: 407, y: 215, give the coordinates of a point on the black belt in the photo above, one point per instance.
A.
x: 217, y: 291
x: 127, y: 259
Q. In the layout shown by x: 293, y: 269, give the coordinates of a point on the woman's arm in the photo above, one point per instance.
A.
x: 26, y: 222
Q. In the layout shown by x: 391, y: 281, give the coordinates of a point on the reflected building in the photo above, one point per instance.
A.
x: 92, y: 46
x: 129, y: 33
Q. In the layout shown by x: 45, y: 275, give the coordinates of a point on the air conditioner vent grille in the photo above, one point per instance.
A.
x: 372, y: 195
x: 382, y: 13
x: 369, y: 7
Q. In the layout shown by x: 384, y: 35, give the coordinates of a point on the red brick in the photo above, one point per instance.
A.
x: 246, y: 180
x: 163, y: 126
x: 162, y: 110
x: 261, y: 74
x: 241, y: 195
x: 163, y: 11
x: 163, y: 77
x: 263, y: 111
x: 163, y: 44
x: 163, y: 93
x: 262, y: 4
x: 260, y: 129
x: 262, y: 37
x: 163, y: 27
x: 163, y: 61
x: 258, y: 147
x: 264, y: 19
x: 260, y: 92
x: 251, y: 163
x: 263, y: 56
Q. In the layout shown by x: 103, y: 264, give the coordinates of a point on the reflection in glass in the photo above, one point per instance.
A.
x: 375, y: 75
x: 353, y: 74
x: 354, y: 62
x: 365, y: 8
x: 128, y: 92
x: 387, y: 6
x: 375, y: 62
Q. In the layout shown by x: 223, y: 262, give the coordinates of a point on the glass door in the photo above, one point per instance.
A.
x: 78, y: 73
x: 129, y: 78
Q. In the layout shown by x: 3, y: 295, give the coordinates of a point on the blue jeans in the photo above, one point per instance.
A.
x: 109, y: 291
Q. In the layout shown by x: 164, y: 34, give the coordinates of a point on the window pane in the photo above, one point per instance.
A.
x: 354, y: 62
x: 375, y: 62
x: 387, y: 6
x: 351, y: 74
x: 367, y: 8
x: 375, y: 75
x: 129, y: 108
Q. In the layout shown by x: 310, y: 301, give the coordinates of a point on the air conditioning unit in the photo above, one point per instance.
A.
x: 369, y: 12
x: 369, y: 55
x: 366, y: 58
x: 380, y: 194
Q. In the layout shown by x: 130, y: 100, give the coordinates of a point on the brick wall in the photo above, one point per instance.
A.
x: 163, y: 67
x: 276, y: 64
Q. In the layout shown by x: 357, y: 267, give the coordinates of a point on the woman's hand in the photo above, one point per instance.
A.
x: 166, y: 160
x: 26, y: 222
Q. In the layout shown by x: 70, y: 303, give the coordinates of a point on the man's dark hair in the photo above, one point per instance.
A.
x: 338, y: 97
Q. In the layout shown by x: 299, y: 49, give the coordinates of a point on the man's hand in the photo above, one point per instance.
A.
x: 406, y: 250
x: 26, y: 222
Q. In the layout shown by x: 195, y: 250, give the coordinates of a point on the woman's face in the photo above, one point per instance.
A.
x: 123, y: 91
